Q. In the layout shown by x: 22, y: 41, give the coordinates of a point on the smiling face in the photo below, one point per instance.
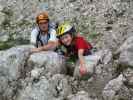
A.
x: 66, y: 39
x: 43, y: 25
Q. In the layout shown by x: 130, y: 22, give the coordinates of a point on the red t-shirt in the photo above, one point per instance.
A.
x: 79, y: 43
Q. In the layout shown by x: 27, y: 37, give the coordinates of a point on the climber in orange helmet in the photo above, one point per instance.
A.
x: 43, y: 36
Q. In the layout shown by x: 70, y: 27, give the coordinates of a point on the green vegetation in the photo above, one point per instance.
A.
x: 86, y: 25
x: 7, y: 11
x: 8, y: 14
x: 10, y: 43
x: 5, y: 45
x: 92, y: 36
x: 24, y: 22
x: 10, y: 27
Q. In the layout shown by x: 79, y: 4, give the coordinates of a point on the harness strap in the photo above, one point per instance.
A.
x: 38, y: 40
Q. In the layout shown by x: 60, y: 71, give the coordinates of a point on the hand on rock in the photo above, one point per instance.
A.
x: 34, y: 50
x: 82, y: 70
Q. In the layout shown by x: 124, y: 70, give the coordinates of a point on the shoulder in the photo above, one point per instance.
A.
x: 79, y: 38
x: 52, y: 31
x: 35, y: 30
x: 81, y: 42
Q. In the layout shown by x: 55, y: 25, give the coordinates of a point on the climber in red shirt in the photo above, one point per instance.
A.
x: 75, y: 44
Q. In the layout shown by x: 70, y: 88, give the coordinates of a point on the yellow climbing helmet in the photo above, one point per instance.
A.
x: 65, y: 28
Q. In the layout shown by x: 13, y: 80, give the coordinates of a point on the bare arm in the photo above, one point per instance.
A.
x: 82, y: 68
x: 50, y: 46
x: 80, y: 56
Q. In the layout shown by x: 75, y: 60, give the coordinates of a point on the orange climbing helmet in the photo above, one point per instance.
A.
x: 42, y: 16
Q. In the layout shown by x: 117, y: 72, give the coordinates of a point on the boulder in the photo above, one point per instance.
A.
x: 81, y: 95
x: 128, y: 74
x: 13, y: 61
x: 112, y: 87
x: 38, y: 90
x: 126, y: 53
x: 12, y: 64
x: 41, y: 88
x: 92, y: 62
x: 50, y: 61
x: 60, y: 83
x: 120, y: 87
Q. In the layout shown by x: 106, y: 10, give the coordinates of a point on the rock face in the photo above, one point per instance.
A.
x: 35, y: 75
x: 46, y: 89
x: 107, y: 24
x: 63, y: 88
x: 109, y: 21
x: 43, y: 76
x: 128, y: 73
x: 12, y: 63
x: 112, y: 87
x: 17, y: 14
x: 126, y: 52
x: 120, y: 87
x: 50, y: 61
x: 39, y: 75
x: 15, y: 66
x: 92, y: 62
x: 41, y: 90
x: 82, y: 95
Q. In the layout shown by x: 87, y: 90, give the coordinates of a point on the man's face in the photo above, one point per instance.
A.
x: 66, y: 39
x: 43, y: 25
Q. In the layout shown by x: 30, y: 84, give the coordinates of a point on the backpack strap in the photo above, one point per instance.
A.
x: 38, y: 40
x: 48, y: 37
